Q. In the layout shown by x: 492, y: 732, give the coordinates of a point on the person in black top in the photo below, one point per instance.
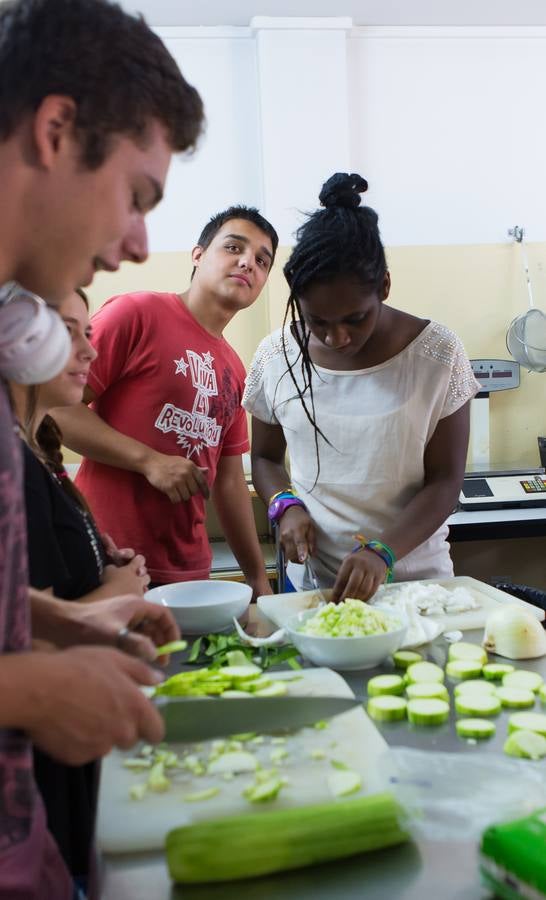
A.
x: 68, y: 557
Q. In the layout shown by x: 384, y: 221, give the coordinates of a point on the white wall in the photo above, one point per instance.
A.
x: 226, y: 168
x: 447, y: 124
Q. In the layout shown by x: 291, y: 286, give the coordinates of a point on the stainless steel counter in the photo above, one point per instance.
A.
x: 415, y: 871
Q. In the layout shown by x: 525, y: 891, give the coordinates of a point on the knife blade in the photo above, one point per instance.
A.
x: 314, y: 580
x: 199, y: 718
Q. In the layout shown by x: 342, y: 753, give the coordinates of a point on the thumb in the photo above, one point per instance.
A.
x: 302, y: 550
x: 108, y: 543
x: 203, y: 471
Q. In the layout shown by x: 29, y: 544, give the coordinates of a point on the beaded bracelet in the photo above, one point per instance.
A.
x: 380, y: 549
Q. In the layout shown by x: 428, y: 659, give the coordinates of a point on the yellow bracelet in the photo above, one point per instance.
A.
x: 287, y: 492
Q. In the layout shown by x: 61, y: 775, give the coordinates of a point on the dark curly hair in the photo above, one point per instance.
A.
x: 340, y: 240
x: 118, y: 72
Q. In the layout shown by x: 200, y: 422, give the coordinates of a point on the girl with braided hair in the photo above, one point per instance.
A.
x: 372, y: 404
x: 66, y: 551
x: 66, y: 554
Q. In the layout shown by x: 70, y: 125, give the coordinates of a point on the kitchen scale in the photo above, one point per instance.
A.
x: 486, y: 487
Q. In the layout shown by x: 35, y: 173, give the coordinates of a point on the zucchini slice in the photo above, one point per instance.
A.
x: 404, y: 658
x: 475, y: 728
x: 424, y: 671
x: 475, y: 685
x: 463, y: 668
x: 477, y: 704
x: 496, y: 671
x: 528, y: 722
x: 515, y: 698
x: 427, y: 691
x: 521, y: 678
x: 344, y: 782
x: 387, y: 708
x: 527, y: 744
x: 428, y: 712
x: 385, y: 684
x: 467, y: 652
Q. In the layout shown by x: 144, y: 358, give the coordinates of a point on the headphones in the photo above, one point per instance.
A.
x: 34, y: 342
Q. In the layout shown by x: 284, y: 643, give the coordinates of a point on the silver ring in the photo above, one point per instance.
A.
x: 121, y: 635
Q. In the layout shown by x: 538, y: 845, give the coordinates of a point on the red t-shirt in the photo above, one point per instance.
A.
x: 161, y: 378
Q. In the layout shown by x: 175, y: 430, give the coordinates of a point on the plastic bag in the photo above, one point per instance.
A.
x: 455, y: 796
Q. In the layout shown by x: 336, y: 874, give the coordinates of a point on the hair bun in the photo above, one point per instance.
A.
x: 343, y: 190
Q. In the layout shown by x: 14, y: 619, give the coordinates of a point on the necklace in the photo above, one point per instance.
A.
x: 91, y: 531
x: 93, y: 539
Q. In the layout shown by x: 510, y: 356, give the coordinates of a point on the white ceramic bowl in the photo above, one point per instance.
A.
x: 203, y: 606
x: 343, y: 653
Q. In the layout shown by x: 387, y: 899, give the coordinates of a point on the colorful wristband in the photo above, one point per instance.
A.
x: 380, y: 549
x: 279, y: 505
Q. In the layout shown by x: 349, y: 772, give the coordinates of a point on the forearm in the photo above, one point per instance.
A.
x: 269, y: 477
x: 86, y: 433
x: 56, y: 620
x: 234, y: 509
x: 423, y: 515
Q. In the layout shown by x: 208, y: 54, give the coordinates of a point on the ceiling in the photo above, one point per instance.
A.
x: 362, y: 12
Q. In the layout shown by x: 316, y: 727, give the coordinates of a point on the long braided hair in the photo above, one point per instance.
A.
x: 340, y: 240
x: 46, y: 444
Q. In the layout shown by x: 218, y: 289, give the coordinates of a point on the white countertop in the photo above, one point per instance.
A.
x: 484, y: 516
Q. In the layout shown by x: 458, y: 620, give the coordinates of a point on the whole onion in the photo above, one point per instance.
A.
x: 514, y: 632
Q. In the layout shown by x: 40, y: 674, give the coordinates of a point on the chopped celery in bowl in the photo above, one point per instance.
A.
x: 346, y: 636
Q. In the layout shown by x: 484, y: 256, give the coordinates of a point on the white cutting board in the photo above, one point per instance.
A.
x: 279, y: 607
x: 126, y: 825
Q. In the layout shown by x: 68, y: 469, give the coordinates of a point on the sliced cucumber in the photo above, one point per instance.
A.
x: 264, y: 791
x: 243, y: 673
x: 477, y: 704
x: 237, y: 761
x: 475, y: 685
x: 496, y: 671
x: 528, y: 722
x: 404, y: 658
x: 198, y: 796
x: 171, y: 647
x: 274, y: 689
x: 385, y: 684
x: 542, y: 694
x: 515, y: 698
x: 468, y: 652
x: 234, y: 693
x: 424, y: 671
x: 428, y: 712
x: 527, y: 744
x: 343, y: 782
x: 475, y: 728
x: 521, y: 678
x: 387, y: 708
x: 463, y: 668
x: 427, y: 690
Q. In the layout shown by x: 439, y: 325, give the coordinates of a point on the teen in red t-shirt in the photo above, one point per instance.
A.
x: 166, y: 426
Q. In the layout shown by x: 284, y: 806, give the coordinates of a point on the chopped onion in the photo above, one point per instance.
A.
x: 515, y: 633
